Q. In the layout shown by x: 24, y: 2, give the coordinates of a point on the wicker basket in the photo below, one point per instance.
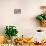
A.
x: 43, y: 23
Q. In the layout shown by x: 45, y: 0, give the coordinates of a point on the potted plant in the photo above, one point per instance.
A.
x: 10, y: 31
x: 42, y: 17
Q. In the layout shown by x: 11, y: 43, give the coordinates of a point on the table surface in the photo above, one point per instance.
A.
x: 30, y: 45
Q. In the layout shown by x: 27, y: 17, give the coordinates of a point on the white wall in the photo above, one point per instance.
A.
x: 25, y: 22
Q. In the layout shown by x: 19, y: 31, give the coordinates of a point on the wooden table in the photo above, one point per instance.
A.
x: 25, y: 44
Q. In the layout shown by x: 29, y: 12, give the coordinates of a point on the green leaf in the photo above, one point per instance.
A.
x: 40, y: 18
x: 45, y: 16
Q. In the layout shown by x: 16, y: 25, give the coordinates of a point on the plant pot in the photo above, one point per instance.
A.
x: 43, y: 23
x: 9, y: 41
x: 13, y: 38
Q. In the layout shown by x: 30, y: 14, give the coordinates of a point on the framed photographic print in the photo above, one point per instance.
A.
x: 17, y: 11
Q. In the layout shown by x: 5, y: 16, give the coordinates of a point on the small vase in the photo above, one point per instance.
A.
x: 9, y: 41
x: 13, y: 38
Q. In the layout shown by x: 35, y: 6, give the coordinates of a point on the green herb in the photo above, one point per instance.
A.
x: 11, y: 31
x: 41, y: 17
